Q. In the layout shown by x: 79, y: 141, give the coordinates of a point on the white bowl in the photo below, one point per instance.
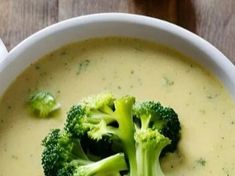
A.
x: 114, y: 24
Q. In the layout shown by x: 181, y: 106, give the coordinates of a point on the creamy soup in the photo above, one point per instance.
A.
x: 122, y: 66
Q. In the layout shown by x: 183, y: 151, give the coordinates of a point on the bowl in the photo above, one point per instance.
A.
x: 113, y: 24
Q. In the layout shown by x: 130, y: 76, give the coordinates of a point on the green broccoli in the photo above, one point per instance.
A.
x: 142, y: 130
x: 42, y: 103
x: 63, y: 155
x: 103, y: 115
x: 108, y: 136
x: 157, y: 132
x: 164, y: 119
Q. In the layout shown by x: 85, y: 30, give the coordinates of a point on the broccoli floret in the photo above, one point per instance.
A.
x: 157, y: 132
x: 164, y: 119
x: 59, y: 150
x: 104, y: 115
x: 102, y: 147
x: 74, y: 116
x: 149, y: 145
x: 100, y: 128
x: 43, y: 103
x: 64, y: 155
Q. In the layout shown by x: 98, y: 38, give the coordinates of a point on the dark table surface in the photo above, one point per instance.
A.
x: 214, y: 20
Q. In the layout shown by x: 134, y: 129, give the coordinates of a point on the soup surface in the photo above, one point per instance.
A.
x: 122, y: 66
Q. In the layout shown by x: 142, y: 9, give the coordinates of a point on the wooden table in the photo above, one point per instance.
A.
x: 214, y: 20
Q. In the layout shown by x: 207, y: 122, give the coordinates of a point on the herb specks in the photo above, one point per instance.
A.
x: 14, y: 157
x: 203, y: 111
x: 226, y: 171
x: 132, y: 72
x: 167, y: 81
x: 37, y: 67
x: 83, y: 66
x: 201, y: 162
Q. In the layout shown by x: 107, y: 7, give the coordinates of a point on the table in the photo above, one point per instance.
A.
x: 213, y: 20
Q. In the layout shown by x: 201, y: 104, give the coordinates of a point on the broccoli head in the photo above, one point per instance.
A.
x: 105, y: 135
x: 42, y: 103
x: 157, y: 132
x: 63, y: 155
x: 152, y: 115
x: 104, y: 116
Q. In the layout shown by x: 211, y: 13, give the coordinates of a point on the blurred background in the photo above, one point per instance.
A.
x: 214, y: 20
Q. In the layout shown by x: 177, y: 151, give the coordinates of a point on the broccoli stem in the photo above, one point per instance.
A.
x: 78, y: 150
x: 108, y: 166
x: 149, y: 145
x: 148, y: 162
x: 123, y: 113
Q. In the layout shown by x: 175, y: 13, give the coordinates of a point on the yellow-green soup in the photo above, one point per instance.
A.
x: 122, y: 66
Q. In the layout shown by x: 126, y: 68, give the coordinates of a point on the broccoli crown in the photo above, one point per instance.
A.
x: 42, y: 103
x: 164, y: 119
x: 151, y: 139
x: 58, y: 150
x: 64, y: 156
x: 157, y: 132
x: 92, y: 115
x: 74, y: 118
x: 104, y: 116
x: 100, y: 129
x: 100, y: 117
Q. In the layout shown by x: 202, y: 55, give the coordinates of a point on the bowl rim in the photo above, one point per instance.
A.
x: 204, y: 46
x: 125, y: 17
